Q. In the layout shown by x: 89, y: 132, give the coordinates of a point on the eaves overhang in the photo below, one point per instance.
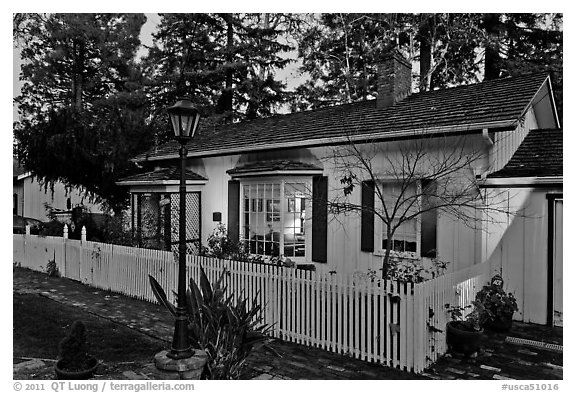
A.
x: 516, y: 182
x: 501, y: 125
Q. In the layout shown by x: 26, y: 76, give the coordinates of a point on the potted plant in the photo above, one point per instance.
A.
x: 74, y: 362
x: 464, y: 333
x: 499, y: 305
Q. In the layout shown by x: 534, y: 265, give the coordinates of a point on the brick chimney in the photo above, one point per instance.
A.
x: 394, y: 79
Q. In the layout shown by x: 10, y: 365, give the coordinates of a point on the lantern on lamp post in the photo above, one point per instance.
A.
x: 184, y: 118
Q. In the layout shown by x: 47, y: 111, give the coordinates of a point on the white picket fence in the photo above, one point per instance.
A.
x: 396, y: 324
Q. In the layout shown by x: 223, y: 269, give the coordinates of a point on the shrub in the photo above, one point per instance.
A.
x: 410, y: 270
x: 226, y: 327
x: 474, y: 320
x: 499, y: 304
x: 52, y: 269
x: 73, y: 350
x: 220, y: 245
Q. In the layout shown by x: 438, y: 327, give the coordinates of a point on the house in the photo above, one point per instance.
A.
x: 528, y: 245
x: 274, y: 182
x: 30, y: 197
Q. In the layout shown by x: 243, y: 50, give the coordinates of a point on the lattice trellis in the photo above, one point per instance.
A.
x: 192, y: 221
x: 157, y: 218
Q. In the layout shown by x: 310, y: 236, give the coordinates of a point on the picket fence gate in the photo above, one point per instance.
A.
x: 397, y: 324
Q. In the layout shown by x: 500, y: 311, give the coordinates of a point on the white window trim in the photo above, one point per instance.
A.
x: 307, y: 180
x: 379, y: 227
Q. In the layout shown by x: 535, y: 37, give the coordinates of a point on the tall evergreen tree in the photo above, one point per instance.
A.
x: 225, y: 63
x: 339, y: 51
x: 82, y: 110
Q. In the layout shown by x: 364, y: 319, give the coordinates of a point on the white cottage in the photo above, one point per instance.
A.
x: 274, y: 181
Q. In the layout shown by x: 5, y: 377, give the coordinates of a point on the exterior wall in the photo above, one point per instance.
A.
x: 516, y: 243
x: 33, y: 196
x: 18, y: 189
x: 458, y: 244
x: 506, y: 143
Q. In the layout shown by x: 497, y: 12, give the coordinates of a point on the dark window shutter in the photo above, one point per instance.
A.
x: 367, y: 228
x: 320, y: 219
x: 234, y: 210
x: 429, y: 220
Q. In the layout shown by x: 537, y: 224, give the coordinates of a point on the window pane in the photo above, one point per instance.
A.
x: 405, y: 238
x: 267, y: 218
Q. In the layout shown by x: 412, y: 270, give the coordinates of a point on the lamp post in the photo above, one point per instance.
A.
x: 184, y: 118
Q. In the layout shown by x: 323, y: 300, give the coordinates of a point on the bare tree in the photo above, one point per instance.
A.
x: 409, y: 179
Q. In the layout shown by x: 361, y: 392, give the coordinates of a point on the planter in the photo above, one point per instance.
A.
x: 76, y: 375
x: 461, y: 340
x: 502, y: 323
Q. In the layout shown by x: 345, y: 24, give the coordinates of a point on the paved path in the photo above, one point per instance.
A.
x: 500, y: 360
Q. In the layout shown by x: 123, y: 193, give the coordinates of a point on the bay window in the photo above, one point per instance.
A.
x: 273, y: 217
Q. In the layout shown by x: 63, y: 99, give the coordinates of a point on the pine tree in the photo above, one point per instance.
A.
x: 82, y: 110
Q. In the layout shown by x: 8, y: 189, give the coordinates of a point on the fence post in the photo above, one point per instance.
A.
x: 65, y: 231
x: 83, y: 234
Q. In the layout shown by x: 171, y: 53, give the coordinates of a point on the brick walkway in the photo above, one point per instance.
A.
x: 499, y: 360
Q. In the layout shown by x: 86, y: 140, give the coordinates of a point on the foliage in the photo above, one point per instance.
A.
x: 221, y: 246
x: 414, y: 270
x: 228, y: 328
x: 339, y: 51
x: 73, y: 349
x: 82, y: 111
x: 473, y: 320
x: 499, y: 304
x: 226, y: 63
x: 52, y: 268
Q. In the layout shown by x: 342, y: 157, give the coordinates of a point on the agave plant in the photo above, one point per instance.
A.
x: 228, y: 328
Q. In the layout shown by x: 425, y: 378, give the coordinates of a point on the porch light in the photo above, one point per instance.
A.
x: 184, y: 117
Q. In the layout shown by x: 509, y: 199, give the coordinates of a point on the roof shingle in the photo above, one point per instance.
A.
x: 492, y: 101
x: 277, y: 165
x: 171, y: 173
x: 539, y: 155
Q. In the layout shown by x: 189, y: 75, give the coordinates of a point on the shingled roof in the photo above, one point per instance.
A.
x: 539, y: 155
x: 273, y: 166
x: 164, y: 174
x: 496, y: 103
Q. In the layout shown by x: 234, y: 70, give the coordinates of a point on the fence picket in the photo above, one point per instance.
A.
x: 382, y: 321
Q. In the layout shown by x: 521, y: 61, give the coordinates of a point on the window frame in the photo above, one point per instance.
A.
x: 269, y: 180
x: 379, y: 225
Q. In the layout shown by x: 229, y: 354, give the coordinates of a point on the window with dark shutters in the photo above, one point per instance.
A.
x: 320, y: 219
x: 234, y: 210
x: 367, y: 228
x: 429, y: 219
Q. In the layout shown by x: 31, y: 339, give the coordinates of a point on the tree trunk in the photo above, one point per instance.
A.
x: 492, y: 46
x: 229, y: 60
x: 386, y: 260
x: 425, y: 56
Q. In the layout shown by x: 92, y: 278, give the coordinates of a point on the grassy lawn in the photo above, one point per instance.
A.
x: 40, y: 323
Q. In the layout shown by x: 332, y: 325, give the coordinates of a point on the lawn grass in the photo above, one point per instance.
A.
x: 40, y: 323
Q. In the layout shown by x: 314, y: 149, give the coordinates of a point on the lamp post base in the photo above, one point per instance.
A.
x: 187, y: 368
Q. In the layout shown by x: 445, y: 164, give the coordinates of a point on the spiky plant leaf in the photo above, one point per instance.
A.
x: 161, y: 295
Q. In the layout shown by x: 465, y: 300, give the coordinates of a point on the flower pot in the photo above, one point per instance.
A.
x: 462, y: 340
x: 501, y: 323
x: 87, y: 373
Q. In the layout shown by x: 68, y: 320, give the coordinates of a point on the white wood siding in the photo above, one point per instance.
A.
x: 518, y: 243
x: 506, y: 143
x: 33, y: 197
x: 458, y: 244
